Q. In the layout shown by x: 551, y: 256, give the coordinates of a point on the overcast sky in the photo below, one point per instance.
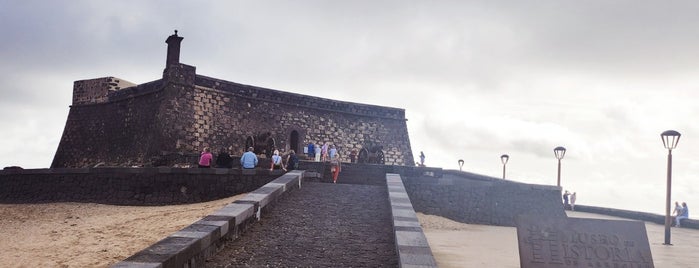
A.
x: 477, y: 78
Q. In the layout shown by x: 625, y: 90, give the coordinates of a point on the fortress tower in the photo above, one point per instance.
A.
x: 118, y: 123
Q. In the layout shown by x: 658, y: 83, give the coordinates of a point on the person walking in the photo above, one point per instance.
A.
x: 205, y: 158
x: 249, y: 159
x: 335, y: 167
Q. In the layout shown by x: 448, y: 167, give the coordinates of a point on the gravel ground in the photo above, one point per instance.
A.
x: 319, y: 225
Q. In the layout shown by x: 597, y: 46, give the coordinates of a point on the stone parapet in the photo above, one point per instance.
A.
x: 411, y: 243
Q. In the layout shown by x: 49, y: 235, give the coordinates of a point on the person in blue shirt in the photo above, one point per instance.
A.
x: 683, y: 215
x: 249, y: 159
x: 311, y: 150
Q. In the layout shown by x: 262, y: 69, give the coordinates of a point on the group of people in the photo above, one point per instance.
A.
x: 248, y: 160
x: 325, y: 153
x: 569, y: 200
x: 680, y: 213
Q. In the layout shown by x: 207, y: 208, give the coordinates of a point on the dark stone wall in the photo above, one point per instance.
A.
x: 129, y: 186
x: 185, y: 112
x: 472, y: 198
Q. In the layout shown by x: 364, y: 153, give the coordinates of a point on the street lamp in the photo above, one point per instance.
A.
x: 670, y: 139
x: 461, y: 164
x: 504, y: 159
x: 560, y: 152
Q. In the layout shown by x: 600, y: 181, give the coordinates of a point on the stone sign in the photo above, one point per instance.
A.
x: 577, y: 242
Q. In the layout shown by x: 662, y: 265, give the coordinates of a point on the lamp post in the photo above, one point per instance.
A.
x: 461, y: 164
x: 504, y: 159
x: 560, y: 152
x: 670, y: 139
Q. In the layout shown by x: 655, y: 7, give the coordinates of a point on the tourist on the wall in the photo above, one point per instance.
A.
x: 324, y: 152
x: 318, y: 151
x: 311, y: 150
x: 332, y: 152
x: 205, y: 158
x: 276, y: 161
x: 292, y: 161
x: 224, y: 160
x: 422, y: 159
x: 573, y: 197
x: 678, y: 209
x: 565, y: 199
x: 335, y: 166
x: 249, y: 159
x: 683, y: 215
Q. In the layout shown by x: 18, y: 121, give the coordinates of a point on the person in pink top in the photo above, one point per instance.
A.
x: 205, y: 159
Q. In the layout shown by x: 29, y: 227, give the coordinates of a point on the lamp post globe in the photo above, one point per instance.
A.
x: 670, y: 139
x: 504, y: 159
x: 559, y: 152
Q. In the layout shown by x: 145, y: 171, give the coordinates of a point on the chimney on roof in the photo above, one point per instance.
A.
x: 173, y: 49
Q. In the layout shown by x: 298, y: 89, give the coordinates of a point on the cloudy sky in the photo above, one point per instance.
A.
x: 477, y: 78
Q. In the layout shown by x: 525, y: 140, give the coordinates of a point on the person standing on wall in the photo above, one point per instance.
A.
x: 324, y: 152
x: 276, y: 161
x: 249, y: 159
x: 205, y: 158
x: 573, y: 197
x: 335, y: 166
x: 332, y: 152
x: 311, y: 150
x: 565, y: 199
x: 318, y: 151
x: 292, y: 161
x: 422, y: 159
x: 224, y: 160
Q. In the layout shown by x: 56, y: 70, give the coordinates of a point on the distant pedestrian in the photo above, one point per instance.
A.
x: 335, y: 167
x: 249, y: 159
x: 318, y: 151
x: 311, y: 150
x: 324, y: 152
x: 422, y: 159
x: 276, y: 161
x: 565, y: 199
x: 678, y: 209
x: 292, y: 161
x: 683, y: 215
x: 205, y: 158
x: 353, y: 156
x: 573, y: 197
x: 332, y: 152
x: 224, y: 160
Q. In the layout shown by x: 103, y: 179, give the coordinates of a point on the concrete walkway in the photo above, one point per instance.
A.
x: 319, y: 225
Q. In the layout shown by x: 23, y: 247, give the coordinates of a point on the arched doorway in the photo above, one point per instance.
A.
x: 294, y: 141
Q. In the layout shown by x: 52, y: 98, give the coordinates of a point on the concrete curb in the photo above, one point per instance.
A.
x: 191, y: 246
x: 411, y: 243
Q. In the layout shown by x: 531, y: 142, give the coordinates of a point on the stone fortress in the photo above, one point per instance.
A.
x: 113, y: 122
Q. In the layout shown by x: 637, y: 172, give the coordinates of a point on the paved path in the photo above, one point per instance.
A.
x: 319, y: 225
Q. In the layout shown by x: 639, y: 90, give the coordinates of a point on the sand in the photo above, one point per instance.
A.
x: 88, y: 235
x: 94, y: 235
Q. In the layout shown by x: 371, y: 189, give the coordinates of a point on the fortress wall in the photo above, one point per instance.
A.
x: 221, y: 117
x: 476, y: 199
x: 128, y: 186
x: 116, y: 133
x: 97, y: 90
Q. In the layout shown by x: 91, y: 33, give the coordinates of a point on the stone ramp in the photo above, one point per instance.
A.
x: 319, y: 225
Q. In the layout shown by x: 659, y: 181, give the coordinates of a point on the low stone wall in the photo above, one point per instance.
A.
x: 411, y: 243
x: 472, y: 198
x: 191, y: 246
x: 129, y: 186
x: 635, y: 215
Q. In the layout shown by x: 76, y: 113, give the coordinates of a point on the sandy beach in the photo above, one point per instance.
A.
x: 94, y: 235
